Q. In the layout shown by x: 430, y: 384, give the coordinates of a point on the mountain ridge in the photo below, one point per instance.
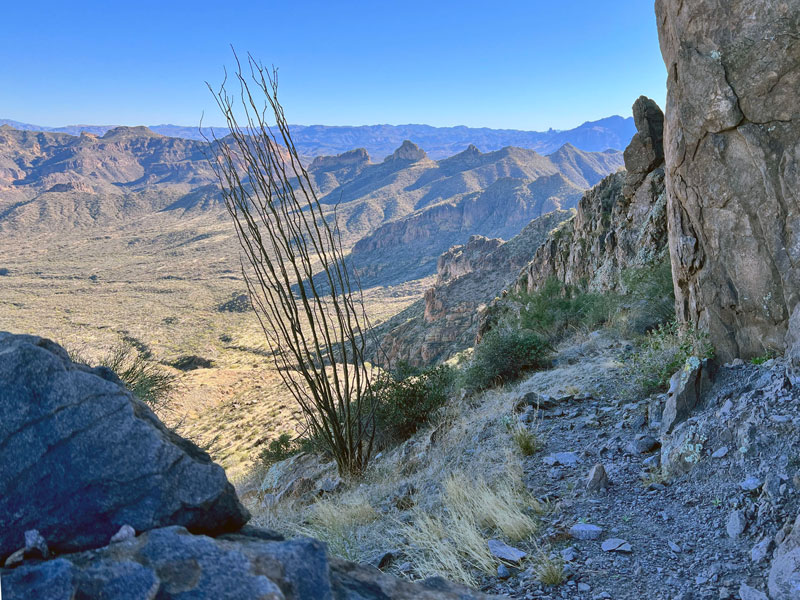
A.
x: 612, y: 132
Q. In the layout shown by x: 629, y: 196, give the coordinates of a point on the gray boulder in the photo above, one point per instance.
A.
x: 686, y: 388
x: 171, y: 563
x: 83, y: 457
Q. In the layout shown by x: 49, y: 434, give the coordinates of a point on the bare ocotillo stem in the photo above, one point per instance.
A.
x: 310, y: 310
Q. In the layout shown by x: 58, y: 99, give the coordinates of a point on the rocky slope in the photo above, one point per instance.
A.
x: 100, y: 500
x: 619, y: 223
x: 733, y: 166
x: 381, y: 140
x: 468, y: 277
x: 431, y: 206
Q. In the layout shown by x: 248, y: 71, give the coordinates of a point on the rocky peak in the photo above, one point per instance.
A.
x: 357, y: 156
x: 646, y: 150
x: 407, y: 151
x: 130, y: 132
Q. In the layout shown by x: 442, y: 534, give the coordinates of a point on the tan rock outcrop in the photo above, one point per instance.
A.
x: 620, y: 222
x: 732, y: 146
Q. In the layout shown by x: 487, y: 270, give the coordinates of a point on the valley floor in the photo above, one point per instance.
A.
x: 706, y: 529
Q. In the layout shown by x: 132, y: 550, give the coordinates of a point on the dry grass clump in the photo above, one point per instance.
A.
x: 453, y: 543
x: 528, y: 440
x: 341, y: 524
x: 549, y: 569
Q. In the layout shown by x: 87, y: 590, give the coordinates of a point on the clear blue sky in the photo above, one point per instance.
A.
x: 522, y: 64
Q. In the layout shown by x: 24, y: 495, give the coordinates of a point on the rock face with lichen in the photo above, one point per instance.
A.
x: 732, y: 146
x: 621, y: 222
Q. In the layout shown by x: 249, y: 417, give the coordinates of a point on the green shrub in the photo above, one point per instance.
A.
x: 556, y: 308
x: 649, y: 298
x: 760, y: 360
x: 279, y: 449
x: 660, y: 354
x: 406, y: 398
x: 503, y: 354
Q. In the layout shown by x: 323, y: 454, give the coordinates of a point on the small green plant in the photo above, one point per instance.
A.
x: 279, y: 449
x: 660, y: 354
x: 503, y: 355
x: 716, y: 502
x: 760, y: 360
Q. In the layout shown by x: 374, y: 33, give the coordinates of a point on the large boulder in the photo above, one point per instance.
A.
x: 171, y: 563
x: 732, y: 148
x: 82, y: 457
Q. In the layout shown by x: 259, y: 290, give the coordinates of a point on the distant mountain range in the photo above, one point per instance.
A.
x: 381, y: 140
x: 397, y: 214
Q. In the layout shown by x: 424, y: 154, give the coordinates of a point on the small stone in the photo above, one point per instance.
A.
x: 406, y: 567
x: 569, y: 554
x: 597, y: 479
x: 642, y: 445
x: 126, y: 532
x: 748, y: 593
x: 616, y: 545
x: 750, y: 484
x: 720, y: 452
x: 502, y: 551
x: 761, y: 550
x: 674, y: 547
x: 584, y: 587
x: 700, y: 580
x: 35, y: 545
x: 652, y: 462
x: 736, y: 524
x: 503, y: 572
x: 567, y: 459
x: 585, y: 531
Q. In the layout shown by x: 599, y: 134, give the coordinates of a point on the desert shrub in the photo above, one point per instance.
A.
x: 527, y: 441
x: 649, y: 298
x: 405, y: 400
x: 190, y: 362
x: 144, y: 378
x: 503, y: 355
x: 556, y: 308
x: 661, y: 353
x: 281, y: 448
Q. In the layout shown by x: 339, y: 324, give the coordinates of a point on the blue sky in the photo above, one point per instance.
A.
x: 512, y: 64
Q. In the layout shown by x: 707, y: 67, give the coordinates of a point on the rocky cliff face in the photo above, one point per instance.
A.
x: 619, y: 223
x: 732, y: 145
x: 468, y: 277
